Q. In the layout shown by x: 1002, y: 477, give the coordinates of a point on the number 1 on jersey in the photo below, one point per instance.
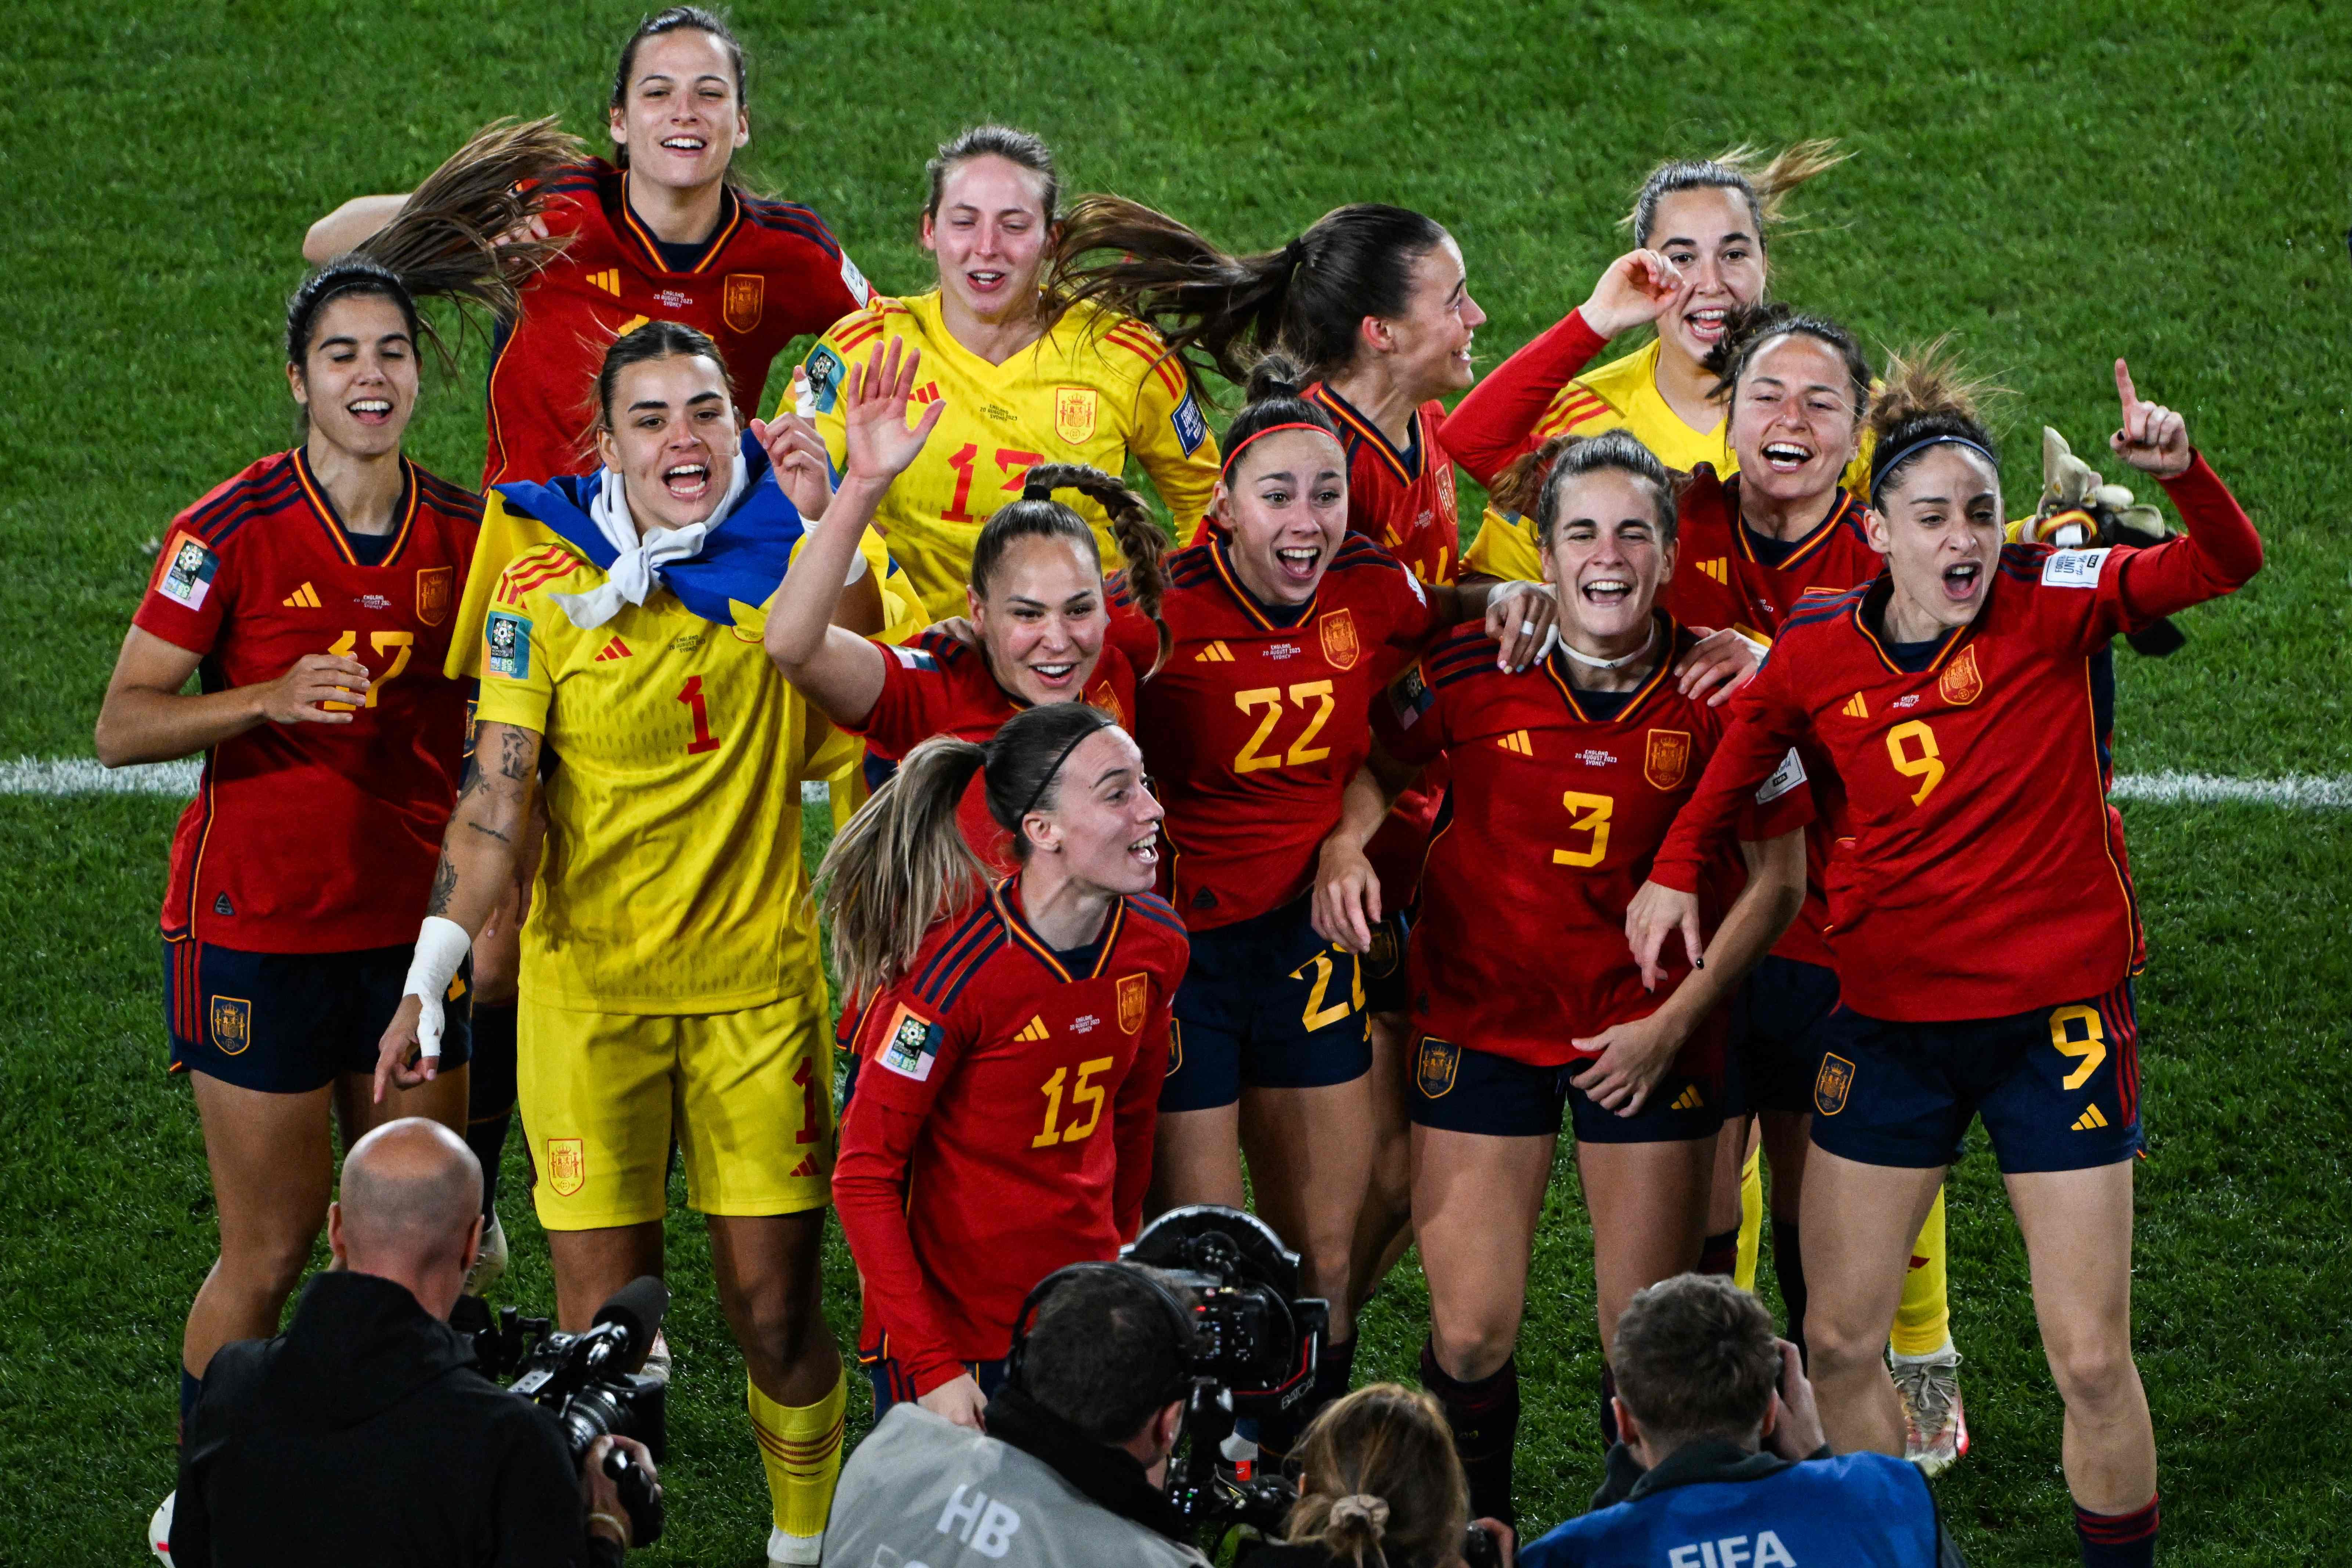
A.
x: 691, y: 695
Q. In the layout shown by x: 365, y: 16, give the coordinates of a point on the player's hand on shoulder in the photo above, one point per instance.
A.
x: 1524, y: 618
x: 1655, y: 914
x: 960, y: 1400
x: 1720, y: 662
x: 1633, y: 1059
x: 1347, y: 903
x: 2153, y: 439
x: 873, y: 401
x: 1636, y: 290
x: 400, y: 1061
x: 298, y: 697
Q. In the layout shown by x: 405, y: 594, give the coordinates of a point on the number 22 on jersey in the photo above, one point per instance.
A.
x: 1315, y: 695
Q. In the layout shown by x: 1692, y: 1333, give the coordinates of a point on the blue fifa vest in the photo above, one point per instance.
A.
x: 1852, y: 1511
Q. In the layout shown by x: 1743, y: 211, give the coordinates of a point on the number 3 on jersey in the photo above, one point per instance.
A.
x: 1302, y: 749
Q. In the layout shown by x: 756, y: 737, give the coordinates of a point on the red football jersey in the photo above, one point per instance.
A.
x: 1548, y: 826
x: 1984, y: 874
x: 770, y: 272
x: 1003, y: 1123
x: 316, y: 837
x: 1402, y: 500
x: 1260, y: 717
x: 1726, y: 575
x: 938, y: 685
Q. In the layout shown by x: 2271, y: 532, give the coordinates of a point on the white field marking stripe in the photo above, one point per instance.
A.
x: 83, y: 776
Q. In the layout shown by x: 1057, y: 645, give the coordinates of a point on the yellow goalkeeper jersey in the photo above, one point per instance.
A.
x: 672, y: 879
x: 1623, y: 395
x: 1096, y: 389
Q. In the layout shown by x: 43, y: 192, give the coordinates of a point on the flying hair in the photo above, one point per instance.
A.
x: 902, y: 861
x: 1221, y: 311
x: 1763, y: 182
x: 1927, y: 396
x: 1036, y: 515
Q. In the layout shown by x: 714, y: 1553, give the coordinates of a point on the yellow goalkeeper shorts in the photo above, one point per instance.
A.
x: 746, y: 1096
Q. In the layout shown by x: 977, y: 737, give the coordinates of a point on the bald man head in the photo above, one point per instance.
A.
x: 411, y: 1210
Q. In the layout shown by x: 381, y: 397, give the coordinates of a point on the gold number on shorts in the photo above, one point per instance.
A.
x: 1592, y: 816
x: 1928, y: 767
x: 1315, y: 1015
x: 1083, y: 1092
x: 2090, y: 1045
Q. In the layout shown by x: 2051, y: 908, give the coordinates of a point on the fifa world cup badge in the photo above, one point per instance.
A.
x: 189, y: 577
x: 911, y: 1045
x: 510, y: 640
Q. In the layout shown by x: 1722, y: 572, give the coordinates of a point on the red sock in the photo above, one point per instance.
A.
x: 2117, y: 1540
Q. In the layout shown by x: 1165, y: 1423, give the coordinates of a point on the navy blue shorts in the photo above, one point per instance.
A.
x: 1463, y: 1089
x: 1776, y: 1023
x: 2058, y: 1087
x: 288, y: 1023
x: 1268, y: 1002
x: 892, y: 1385
x: 1384, y: 987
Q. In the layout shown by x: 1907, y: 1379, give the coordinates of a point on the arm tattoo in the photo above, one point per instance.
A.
x: 444, y: 886
x: 514, y: 754
x: 489, y: 832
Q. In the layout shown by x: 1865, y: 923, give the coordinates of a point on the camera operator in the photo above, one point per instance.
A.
x: 1721, y: 1457
x: 1380, y: 1483
x: 362, y: 1436
x: 1070, y: 1467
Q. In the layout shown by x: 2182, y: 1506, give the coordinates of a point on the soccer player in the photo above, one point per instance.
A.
x: 1282, y: 626
x: 1044, y: 630
x: 1028, y: 377
x: 671, y: 984
x: 1953, y: 696
x: 665, y: 230
x: 1518, y: 1011
x: 312, y: 595
x: 1013, y: 1039
x: 1701, y: 228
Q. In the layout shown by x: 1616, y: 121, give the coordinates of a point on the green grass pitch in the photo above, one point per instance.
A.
x: 2056, y: 184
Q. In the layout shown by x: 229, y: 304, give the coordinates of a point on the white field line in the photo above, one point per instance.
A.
x: 82, y: 775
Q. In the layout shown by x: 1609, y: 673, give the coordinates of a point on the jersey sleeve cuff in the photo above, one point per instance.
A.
x: 932, y: 1369
x: 1675, y: 876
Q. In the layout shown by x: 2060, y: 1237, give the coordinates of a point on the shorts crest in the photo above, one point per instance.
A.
x: 741, y: 299
x: 1667, y: 759
x: 435, y: 586
x: 1434, y: 1065
x: 1134, y: 1000
x: 567, y: 1165
x: 1833, y: 1084
x: 1074, y: 412
x: 1338, y: 630
x: 1961, y: 682
x: 232, y: 1022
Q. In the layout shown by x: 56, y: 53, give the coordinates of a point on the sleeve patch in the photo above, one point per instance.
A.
x: 913, y: 658
x: 2073, y: 568
x: 854, y: 282
x: 1191, y: 428
x: 911, y: 1047
x: 1409, y: 697
x: 1414, y: 583
x: 824, y: 369
x: 190, y: 576
x: 1786, y: 778
x: 509, y: 636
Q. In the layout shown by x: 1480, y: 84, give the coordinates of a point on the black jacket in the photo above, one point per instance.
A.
x: 362, y: 1436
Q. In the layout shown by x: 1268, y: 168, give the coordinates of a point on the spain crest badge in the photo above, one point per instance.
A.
x: 1962, y: 682
x: 741, y: 299
x: 1434, y: 1065
x: 1337, y: 629
x: 1835, y: 1082
x: 1134, y: 1000
x: 1666, y: 757
x: 567, y: 1165
x: 435, y: 588
x: 232, y: 1021
x: 1074, y: 413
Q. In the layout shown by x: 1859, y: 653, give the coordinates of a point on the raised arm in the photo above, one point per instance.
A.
x: 349, y: 226
x: 2220, y: 552
x: 146, y: 717
x: 478, y: 862
x: 834, y: 667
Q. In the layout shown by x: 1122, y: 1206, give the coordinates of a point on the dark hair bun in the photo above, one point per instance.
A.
x: 1275, y: 374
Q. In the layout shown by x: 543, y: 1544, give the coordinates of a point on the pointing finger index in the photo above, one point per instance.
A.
x: 2124, y: 388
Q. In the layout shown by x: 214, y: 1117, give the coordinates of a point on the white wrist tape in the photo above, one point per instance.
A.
x: 441, y: 947
x: 858, y: 566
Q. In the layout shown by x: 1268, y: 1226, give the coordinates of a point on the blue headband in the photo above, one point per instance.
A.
x: 1883, y: 465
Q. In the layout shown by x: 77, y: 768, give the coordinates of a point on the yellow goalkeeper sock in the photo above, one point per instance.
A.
x: 1752, y: 1217
x: 1923, y: 1324
x: 800, y: 1447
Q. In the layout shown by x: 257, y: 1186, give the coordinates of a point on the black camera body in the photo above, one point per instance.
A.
x: 582, y: 1379
x: 1256, y: 1344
